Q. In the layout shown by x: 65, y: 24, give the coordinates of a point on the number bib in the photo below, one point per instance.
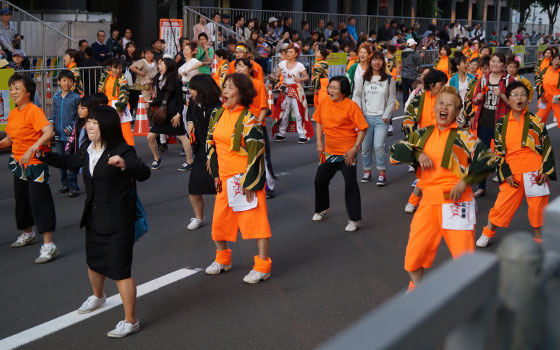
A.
x: 532, y: 189
x: 458, y: 215
x: 236, y: 199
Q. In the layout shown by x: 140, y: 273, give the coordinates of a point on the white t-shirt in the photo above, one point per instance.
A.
x: 374, y: 93
x: 289, y: 74
x: 186, y: 66
x: 463, y: 87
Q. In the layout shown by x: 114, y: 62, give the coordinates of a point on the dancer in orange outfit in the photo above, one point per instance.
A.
x: 242, y: 51
x: 550, y: 90
x: 320, y: 76
x: 443, y: 63
x: 236, y: 161
x: 420, y: 114
x: 525, y: 164
x: 449, y: 161
x: 114, y: 85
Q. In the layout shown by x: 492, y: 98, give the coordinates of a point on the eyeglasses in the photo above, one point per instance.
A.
x: 519, y: 95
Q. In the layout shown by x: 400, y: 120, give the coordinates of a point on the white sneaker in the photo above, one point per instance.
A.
x: 194, y: 224
x: 352, y: 226
x: 255, y: 277
x: 495, y: 179
x: 215, y: 268
x: 321, y: 215
x: 411, y: 169
x: 409, y: 208
x: 91, y: 303
x: 123, y: 329
x: 24, y: 239
x: 483, y: 241
x: 46, y: 254
x: 414, y: 183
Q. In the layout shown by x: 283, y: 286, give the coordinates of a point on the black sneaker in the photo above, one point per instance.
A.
x: 73, y: 193
x: 270, y: 194
x: 162, y: 147
x: 279, y: 138
x: 64, y: 189
x: 302, y: 141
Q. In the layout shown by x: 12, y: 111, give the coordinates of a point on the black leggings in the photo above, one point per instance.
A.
x: 325, y: 172
x: 34, y: 205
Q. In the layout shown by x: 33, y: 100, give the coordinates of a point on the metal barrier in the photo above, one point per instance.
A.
x: 475, y: 302
x: 364, y: 23
x: 43, y: 44
x: 47, y: 84
x: 192, y: 17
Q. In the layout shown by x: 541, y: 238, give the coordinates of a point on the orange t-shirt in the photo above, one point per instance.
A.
x: 25, y: 128
x: 341, y: 122
x: 256, y: 68
x: 474, y: 55
x: 550, y: 82
x: 428, y: 115
x: 437, y: 181
x: 351, y: 62
x: 229, y: 163
x: 520, y: 159
x: 260, y: 101
x: 443, y: 65
x: 216, y: 75
x: 545, y: 63
x: 109, y: 85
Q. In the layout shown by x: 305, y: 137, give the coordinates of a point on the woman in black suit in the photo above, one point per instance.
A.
x: 168, y: 86
x: 110, y: 169
x: 204, y: 103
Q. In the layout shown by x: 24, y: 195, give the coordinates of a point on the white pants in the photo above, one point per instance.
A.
x: 291, y: 104
x: 270, y: 182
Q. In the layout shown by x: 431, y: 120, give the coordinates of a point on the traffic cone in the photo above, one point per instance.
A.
x: 270, y: 100
x: 141, y: 125
x: 49, y: 91
x: 214, y: 65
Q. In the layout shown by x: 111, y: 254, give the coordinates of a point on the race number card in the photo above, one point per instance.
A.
x: 532, y: 188
x: 458, y: 215
x: 236, y: 199
x: 125, y: 116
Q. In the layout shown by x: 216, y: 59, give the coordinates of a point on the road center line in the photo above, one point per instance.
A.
x: 74, y: 317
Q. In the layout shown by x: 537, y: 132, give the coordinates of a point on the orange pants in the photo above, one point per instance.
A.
x: 508, y: 201
x: 224, y: 257
x: 543, y: 113
x: 425, y: 237
x: 227, y: 223
x: 127, y: 133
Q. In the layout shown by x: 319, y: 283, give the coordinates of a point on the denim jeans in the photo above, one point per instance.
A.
x: 485, y: 134
x: 67, y: 178
x: 375, y: 141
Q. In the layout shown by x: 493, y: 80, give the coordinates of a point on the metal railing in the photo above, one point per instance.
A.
x: 47, y: 83
x: 480, y: 301
x: 42, y: 43
x: 219, y: 39
x: 364, y: 23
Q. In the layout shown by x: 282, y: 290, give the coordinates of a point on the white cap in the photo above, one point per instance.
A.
x: 411, y: 42
x: 272, y: 19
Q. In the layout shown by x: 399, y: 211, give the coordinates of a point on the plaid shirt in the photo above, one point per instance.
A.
x: 482, y: 86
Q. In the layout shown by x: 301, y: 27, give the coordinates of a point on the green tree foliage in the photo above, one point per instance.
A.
x: 550, y: 7
x: 523, y: 7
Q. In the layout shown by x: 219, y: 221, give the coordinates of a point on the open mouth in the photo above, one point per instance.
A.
x: 443, y: 115
x: 519, y: 104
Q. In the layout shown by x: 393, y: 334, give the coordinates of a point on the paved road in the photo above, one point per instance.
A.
x: 322, y: 280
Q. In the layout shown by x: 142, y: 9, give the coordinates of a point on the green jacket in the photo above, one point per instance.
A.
x: 120, y: 90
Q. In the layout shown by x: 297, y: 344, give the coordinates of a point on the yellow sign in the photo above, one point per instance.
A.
x: 337, y: 63
x: 6, y: 103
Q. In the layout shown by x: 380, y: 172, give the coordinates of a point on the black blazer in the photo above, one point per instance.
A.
x: 200, y: 116
x: 175, y: 101
x: 111, y: 192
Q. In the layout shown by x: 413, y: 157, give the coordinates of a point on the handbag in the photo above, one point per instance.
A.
x: 158, y: 115
x: 141, y: 225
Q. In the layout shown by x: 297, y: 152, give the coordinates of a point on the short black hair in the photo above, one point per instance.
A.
x: 514, y: 85
x: 89, y: 51
x: 207, y: 91
x: 109, y: 125
x: 81, y: 42
x: 100, y: 98
x: 344, y: 84
x: 434, y: 77
x: 221, y: 53
x: 75, y: 54
x: 113, y: 62
x: 28, y: 83
x: 203, y: 35
x: 88, y: 102
x: 245, y: 87
x: 65, y: 74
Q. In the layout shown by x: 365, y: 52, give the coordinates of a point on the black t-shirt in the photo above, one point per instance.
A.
x: 489, y: 106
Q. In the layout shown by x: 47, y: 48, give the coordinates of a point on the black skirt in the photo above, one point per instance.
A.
x: 168, y: 129
x: 200, y: 181
x: 110, y: 254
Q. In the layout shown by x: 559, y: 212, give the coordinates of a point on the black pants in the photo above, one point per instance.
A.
x: 34, y: 205
x: 485, y: 134
x: 406, y: 89
x: 325, y: 172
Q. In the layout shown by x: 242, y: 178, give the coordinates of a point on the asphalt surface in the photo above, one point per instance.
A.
x: 322, y: 279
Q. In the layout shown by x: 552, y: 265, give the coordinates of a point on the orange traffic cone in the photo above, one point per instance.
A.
x: 49, y: 91
x: 214, y: 65
x: 270, y: 100
x: 141, y: 125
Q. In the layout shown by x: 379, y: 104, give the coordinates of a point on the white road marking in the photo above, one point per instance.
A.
x: 551, y: 125
x: 399, y: 117
x: 283, y: 174
x: 74, y: 317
